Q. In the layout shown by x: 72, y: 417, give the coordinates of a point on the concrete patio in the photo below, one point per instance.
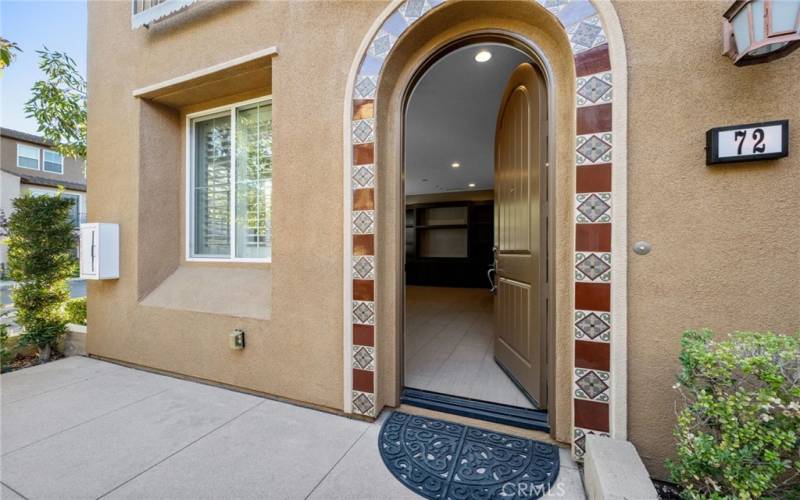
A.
x: 83, y: 428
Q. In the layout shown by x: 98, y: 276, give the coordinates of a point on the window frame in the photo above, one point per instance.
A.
x: 189, y: 178
x: 44, y: 153
x: 38, y: 156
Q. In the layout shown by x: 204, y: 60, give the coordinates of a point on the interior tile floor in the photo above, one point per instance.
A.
x: 449, y: 345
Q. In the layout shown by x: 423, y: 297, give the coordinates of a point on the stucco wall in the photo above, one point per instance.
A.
x: 725, y: 237
x: 725, y: 240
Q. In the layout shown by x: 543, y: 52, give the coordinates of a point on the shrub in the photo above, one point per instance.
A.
x: 40, y: 238
x: 4, y: 351
x: 75, y: 311
x: 738, y: 434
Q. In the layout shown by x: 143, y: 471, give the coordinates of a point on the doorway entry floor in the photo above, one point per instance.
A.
x: 449, y: 345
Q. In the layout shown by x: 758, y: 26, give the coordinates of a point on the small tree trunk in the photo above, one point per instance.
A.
x: 44, y: 354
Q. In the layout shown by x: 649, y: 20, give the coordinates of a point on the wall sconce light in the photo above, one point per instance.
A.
x: 758, y: 31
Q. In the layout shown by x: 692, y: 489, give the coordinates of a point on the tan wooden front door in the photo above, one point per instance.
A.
x: 520, y: 232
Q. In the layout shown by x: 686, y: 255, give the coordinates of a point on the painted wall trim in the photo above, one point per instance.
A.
x: 157, y: 88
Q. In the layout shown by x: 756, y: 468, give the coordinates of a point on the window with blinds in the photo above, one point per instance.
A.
x: 231, y: 183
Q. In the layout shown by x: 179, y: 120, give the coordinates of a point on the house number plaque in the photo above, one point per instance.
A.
x: 751, y: 142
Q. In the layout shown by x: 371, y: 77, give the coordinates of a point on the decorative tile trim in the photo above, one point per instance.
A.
x: 593, y: 267
x: 364, y: 357
x: 579, y: 440
x: 593, y: 148
x: 363, y: 222
x: 592, y: 385
x: 586, y: 34
x: 364, y: 403
x: 363, y: 176
x: 592, y: 208
x: 363, y: 312
x: 363, y: 131
x: 594, y: 89
x: 593, y: 212
x: 593, y: 326
x: 364, y: 267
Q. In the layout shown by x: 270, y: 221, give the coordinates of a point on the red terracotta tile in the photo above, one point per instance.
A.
x: 594, y: 119
x: 363, y: 380
x: 593, y: 237
x: 363, y: 290
x: 593, y: 178
x: 591, y: 415
x: 364, y: 154
x: 592, y: 61
x: 363, y: 244
x: 364, y: 335
x: 594, y: 355
x: 364, y: 199
x: 363, y: 108
x: 593, y: 296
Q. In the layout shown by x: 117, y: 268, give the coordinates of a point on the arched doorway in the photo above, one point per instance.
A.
x: 586, y: 62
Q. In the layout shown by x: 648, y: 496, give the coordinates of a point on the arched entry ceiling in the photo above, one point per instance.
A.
x: 451, y: 117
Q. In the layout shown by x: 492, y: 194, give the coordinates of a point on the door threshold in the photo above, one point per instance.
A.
x: 478, y: 409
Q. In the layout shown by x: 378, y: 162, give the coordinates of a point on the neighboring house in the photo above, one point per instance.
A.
x: 29, y: 164
x: 271, y: 171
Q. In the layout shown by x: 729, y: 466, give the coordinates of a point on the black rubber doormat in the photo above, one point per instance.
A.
x: 444, y: 460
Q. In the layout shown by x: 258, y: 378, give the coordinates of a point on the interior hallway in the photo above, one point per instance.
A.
x: 449, y: 345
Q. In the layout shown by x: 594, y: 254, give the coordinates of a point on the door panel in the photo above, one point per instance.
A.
x: 520, y: 235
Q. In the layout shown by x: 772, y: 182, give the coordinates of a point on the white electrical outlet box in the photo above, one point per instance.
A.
x: 99, y: 251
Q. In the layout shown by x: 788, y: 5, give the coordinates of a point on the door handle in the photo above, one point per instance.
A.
x: 493, y: 286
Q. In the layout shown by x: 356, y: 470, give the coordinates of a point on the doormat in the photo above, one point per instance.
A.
x: 443, y: 460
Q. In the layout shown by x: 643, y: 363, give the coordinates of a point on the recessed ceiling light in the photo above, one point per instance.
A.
x: 471, y: 184
x: 455, y: 164
x: 483, y: 56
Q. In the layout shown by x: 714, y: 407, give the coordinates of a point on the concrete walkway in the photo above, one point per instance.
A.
x: 83, y: 428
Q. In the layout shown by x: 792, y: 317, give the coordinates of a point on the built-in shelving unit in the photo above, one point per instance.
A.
x: 449, y: 244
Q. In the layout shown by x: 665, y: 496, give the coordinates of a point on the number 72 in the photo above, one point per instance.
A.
x: 758, y: 137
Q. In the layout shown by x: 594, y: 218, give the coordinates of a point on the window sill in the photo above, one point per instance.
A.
x: 242, y: 292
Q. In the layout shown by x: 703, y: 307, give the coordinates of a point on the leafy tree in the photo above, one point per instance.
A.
x: 58, y: 103
x: 40, y: 238
x: 7, y: 55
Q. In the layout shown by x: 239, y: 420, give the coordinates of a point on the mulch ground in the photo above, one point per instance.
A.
x: 22, y: 361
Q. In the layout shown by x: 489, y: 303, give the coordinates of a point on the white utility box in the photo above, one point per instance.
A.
x: 99, y: 249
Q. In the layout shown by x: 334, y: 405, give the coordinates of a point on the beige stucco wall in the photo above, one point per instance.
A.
x: 725, y: 237
x: 725, y: 241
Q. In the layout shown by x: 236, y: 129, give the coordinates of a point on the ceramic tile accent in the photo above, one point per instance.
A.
x: 592, y: 208
x: 579, y: 440
x: 364, y: 357
x: 593, y: 148
x: 592, y: 385
x: 363, y: 312
x: 586, y: 34
x: 363, y: 176
x: 594, y: 94
x: 364, y: 403
x: 593, y: 266
x: 364, y: 222
x: 594, y: 89
x: 364, y: 267
x: 363, y: 131
x: 365, y: 87
x: 593, y: 325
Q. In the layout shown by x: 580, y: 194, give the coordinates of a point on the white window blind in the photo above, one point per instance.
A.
x: 231, y: 184
x: 53, y: 162
x: 27, y: 157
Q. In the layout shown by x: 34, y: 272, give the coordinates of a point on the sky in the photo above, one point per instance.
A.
x: 32, y: 24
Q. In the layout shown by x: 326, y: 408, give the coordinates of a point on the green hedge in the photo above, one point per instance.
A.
x: 75, y: 311
x: 738, y: 432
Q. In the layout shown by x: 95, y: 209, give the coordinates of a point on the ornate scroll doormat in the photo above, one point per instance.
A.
x: 444, y: 460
